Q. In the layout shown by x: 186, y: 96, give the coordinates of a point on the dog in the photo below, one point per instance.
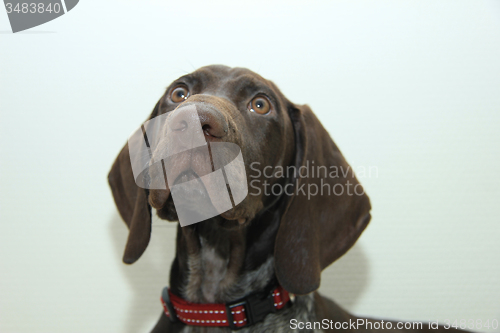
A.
x: 255, y: 267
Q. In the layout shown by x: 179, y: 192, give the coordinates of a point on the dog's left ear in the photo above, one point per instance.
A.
x: 326, y: 213
x: 132, y: 203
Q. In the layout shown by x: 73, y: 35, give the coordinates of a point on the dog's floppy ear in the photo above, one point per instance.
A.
x: 326, y: 213
x: 132, y: 203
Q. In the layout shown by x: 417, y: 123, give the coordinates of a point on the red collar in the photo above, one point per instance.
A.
x: 238, y: 314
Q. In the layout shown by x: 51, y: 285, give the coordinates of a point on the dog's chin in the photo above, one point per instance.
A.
x: 230, y: 219
x: 219, y: 222
x: 168, y: 212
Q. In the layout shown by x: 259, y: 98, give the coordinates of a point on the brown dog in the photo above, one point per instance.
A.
x: 273, y: 238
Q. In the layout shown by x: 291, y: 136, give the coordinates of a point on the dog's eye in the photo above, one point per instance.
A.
x: 179, y: 94
x: 260, y: 105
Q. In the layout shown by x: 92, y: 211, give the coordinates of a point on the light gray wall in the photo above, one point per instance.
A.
x: 411, y: 88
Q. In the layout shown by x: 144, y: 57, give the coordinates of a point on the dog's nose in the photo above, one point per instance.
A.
x: 203, y: 117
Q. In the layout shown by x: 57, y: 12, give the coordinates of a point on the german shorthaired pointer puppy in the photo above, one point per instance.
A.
x: 256, y: 266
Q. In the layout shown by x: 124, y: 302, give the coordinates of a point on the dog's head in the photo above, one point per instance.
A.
x: 291, y: 166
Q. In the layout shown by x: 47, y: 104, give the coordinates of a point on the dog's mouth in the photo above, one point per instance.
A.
x: 185, y: 195
x: 227, y: 220
x: 193, y: 198
x: 189, y: 197
x: 203, y: 182
x: 186, y: 176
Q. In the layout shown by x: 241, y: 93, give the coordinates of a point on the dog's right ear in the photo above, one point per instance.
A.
x: 132, y: 203
x: 319, y: 226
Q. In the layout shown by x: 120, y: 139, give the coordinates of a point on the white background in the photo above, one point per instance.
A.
x: 412, y: 88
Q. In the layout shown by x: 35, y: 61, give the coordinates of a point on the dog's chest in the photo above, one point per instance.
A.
x: 209, y: 274
x: 214, y: 274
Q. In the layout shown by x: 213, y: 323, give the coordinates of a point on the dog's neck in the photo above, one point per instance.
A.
x: 217, y: 265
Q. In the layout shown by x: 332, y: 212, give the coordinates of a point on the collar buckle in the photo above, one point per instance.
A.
x: 257, y: 306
